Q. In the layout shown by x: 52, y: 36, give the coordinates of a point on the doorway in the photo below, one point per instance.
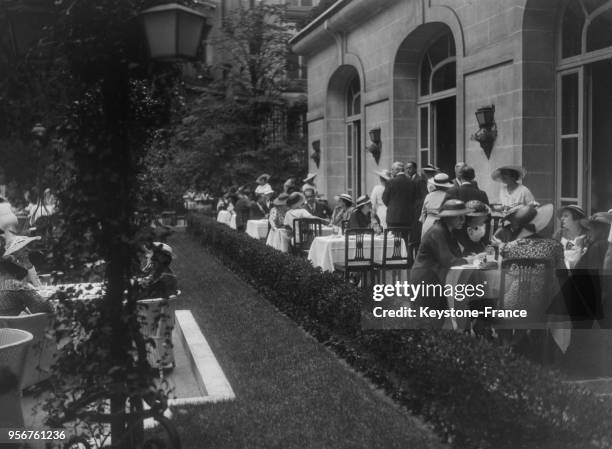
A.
x: 445, y: 134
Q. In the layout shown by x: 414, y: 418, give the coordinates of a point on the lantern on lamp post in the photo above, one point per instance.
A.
x: 173, y: 32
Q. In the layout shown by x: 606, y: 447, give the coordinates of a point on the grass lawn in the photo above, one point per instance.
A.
x: 291, y: 392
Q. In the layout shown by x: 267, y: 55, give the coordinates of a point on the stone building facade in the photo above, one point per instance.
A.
x: 419, y: 69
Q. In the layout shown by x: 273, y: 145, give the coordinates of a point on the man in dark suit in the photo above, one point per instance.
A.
x: 420, y: 181
x: 401, y: 197
x: 468, y: 190
x: 314, y: 206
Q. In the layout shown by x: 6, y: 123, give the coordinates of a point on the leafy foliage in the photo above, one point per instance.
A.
x: 476, y: 394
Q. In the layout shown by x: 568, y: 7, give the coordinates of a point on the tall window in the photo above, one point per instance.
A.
x: 353, y: 137
x: 584, y: 92
x: 437, y: 103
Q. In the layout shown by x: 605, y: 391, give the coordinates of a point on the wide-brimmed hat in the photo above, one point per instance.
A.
x: 362, y: 201
x: 385, y: 174
x: 516, y: 168
x: 15, y: 242
x: 579, y: 211
x: 263, y: 178
x: 280, y: 200
x: 531, y: 219
x: 310, y: 177
x: 267, y: 190
x: 453, y: 208
x: 346, y: 197
x: 431, y: 169
x: 308, y: 187
x: 296, y: 198
x: 441, y: 180
x: 163, y: 248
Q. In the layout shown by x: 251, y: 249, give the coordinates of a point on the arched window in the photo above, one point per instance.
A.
x: 353, y: 137
x: 586, y: 27
x: 439, y: 68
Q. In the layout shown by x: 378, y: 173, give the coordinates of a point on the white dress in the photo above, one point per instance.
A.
x: 519, y: 196
x: 278, y: 238
x: 378, y: 206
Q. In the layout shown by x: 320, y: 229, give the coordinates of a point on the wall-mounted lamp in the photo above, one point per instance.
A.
x: 316, y: 153
x: 487, y: 133
x: 375, y: 145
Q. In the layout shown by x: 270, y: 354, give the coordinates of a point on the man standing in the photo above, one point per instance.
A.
x: 458, y: 167
x: 421, y: 192
x: 400, y: 197
x: 467, y: 189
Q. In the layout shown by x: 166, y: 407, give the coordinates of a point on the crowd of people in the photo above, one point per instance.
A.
x: 448, y: 222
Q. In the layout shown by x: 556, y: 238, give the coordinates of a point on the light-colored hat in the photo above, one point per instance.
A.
x: 15, y: 242
x: 453, y: 208
x: 280, y: 200
x: 441, y: 180
x: 598, y: 217
x: 164, y: 248
x: 308, y: 187
x: 296, y: 198
x: 385, y: 174
x: 310, y: 177
x: 531, y: 219
x: 576, y: 209
x: 263, y: 178
x: 346, y: 197
x: 519, y: 170
x: 267, y: 190
x: 479, y: 209
x: 362, y: 201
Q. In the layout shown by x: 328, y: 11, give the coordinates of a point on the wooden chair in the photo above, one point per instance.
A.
x: 304, y: 232
x: 395, y: 261
x: 526, y: 284
x: 43, y: 350
x: 362, y: 261
x: 156, y: 319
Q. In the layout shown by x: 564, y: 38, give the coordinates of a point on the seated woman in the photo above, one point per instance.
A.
x: 438, y: 252
x: 473, y: 236
x: 572, y: 234
x: 161, y: 282
x: 295, y: 204
x: 525, y: 224
x: 278, y: 237
x: 513, y: 192
x: 18, y: 278
x: 583, y: 289
x: 362, y: 216
x: 342, y: 212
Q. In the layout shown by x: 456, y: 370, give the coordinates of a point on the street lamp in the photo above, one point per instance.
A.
x: 173, y: 32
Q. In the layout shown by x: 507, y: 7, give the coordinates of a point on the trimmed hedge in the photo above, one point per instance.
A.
x: 475, y: 394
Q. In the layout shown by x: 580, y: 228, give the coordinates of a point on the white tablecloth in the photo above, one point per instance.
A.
x: 228, y: 218
x: 325, y: 251
x: 258, y: 229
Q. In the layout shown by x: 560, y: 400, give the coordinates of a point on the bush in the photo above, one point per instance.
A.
x: 475, y: 394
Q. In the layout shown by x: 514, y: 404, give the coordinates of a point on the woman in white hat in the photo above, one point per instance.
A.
x: 162, y: 282
x: 361, y: 217
x: 295, y: 203
x: 309, y: 182
x: 439, y: 184
x: 512, y: 192
x: 342, y: 212
x: 379, y: 210
x: 18, y: 278
x: 262, y: 184
x: 572, y: 233
x: 278, y: 237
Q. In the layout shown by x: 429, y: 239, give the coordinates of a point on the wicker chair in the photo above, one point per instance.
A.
x: 43, y: 350
x: 156, y: 319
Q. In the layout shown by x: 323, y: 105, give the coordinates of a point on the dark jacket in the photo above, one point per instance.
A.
x: 319, y: 209
x: 401, y: 198
x: 242, y: 209
x: 467, y: 192
x: 359, y: 220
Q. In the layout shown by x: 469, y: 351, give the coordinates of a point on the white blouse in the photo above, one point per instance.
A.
x: 519, y: 196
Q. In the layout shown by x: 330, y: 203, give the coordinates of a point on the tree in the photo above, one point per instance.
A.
x: 241, y: 125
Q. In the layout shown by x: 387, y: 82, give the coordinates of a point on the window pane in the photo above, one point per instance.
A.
x: 441, y: 49
x: 444, y: 78
x: 599, y: 33
x: 424, y: 158
x: 349, y: 175
x: 573, y: 21
x: 425, y: 74
x: 569, y: 100
x: 569, y: 168
x: 424, y: 128
x: 349, y: 140
x: 357, y: 104
x: 353, y: 90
